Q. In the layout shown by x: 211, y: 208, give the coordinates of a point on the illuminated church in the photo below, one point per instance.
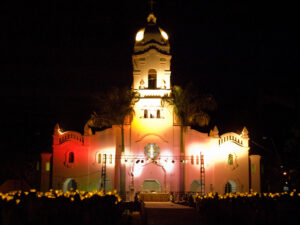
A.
x: 152, y: 160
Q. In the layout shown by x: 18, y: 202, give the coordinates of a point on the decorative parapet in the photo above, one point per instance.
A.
x: 232, y: 137
x: 70, y: 135
x: 56, y: 129
x: 214, y: 132
x: 60, y: 136
x: 153, y: 92
x: 245, y: 133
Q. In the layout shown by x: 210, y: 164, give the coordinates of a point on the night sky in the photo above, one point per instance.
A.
x: 55, y: 55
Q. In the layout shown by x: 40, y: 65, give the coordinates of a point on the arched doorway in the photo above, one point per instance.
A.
x: 108, y: 185
x: 69, y: 184
x: 151, y: 186
x: 196, y: 186
x: 230, y: 187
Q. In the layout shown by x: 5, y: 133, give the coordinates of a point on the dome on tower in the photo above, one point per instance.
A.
x: 151, y: 36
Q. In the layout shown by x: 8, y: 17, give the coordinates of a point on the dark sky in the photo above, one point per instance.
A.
x: 56, y: 54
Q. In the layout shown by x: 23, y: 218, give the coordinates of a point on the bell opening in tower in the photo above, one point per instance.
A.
x: 152, y: 79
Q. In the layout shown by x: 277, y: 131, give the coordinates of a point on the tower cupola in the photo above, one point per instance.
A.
x: 151, y: 36
x: 151, y: 60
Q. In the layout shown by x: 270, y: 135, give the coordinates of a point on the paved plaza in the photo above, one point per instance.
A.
x: 165, y: 213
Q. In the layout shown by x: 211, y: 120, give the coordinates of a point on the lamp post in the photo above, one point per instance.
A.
x: 132, y: 181
x: 275, y: 148
x: 283, y: 173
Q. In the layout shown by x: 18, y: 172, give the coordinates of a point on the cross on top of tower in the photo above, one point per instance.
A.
x: 151, y: 3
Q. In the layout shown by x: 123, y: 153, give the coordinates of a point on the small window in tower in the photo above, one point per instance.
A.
x: 230, y: 159
x: 47, y: 168
x: 71, y: 157
x: 152, y: 79
x: 38, y: 165
x: 253, y: 169
x: 158, y: 113
x: 145, y: 113
x: 152, y: 114
x: 110, y: 159
x: 197, y: 159
x: 99, y: 158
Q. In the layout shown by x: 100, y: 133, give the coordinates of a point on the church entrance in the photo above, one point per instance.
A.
x: 196, y: 186
x: 151, y: 186
x: 151, y: 192
x: 230, y: 187
x: 69, y: 184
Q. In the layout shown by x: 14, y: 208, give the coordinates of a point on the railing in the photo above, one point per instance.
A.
x: 71, y: 136
x: 153, y: 92
x: 231, y: 137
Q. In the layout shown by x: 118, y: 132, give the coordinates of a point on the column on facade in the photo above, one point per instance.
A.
x: 255, y: 172
x: 45, y: 171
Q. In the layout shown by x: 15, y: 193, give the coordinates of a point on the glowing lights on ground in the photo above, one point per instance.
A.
x: 17, y: 195
x: 247, y: 195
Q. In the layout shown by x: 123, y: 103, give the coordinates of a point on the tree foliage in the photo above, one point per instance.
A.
x: 113, y: 106
x: 191, y: 107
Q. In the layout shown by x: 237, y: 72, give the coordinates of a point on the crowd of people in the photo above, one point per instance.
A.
x: 89, y: 208
x: 248, y: 209
x: 56, y: 207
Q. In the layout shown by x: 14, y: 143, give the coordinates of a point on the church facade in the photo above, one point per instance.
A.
x: 152, y: 160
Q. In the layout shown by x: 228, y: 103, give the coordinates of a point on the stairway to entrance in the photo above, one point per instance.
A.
x: 154, y: 197
x: 165, y: 213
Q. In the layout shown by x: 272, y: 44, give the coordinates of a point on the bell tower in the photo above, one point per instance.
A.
x: 151, y: 60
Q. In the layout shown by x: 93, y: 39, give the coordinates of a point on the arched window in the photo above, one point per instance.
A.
x: 99, y: 158
x: 152, y: 79
x: 197, y: 159
x: 230, y: 159
x: 192, y: 160
x: 71, y: 157
x: 47, y: 166
x: 145, y: 113
x: 158, y: 113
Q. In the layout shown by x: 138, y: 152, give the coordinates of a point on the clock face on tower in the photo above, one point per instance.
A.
x: 151, y: 151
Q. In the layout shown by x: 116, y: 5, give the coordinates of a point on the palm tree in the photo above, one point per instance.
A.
x: 190, y: 108
x: 113, y: 107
